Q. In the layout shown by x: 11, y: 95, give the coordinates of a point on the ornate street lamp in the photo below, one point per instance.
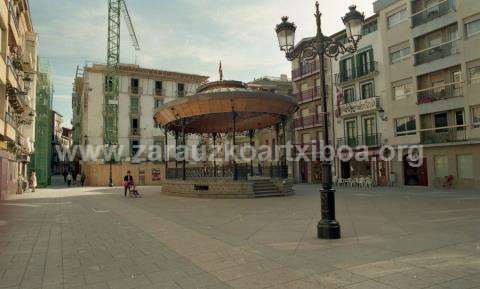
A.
x: 323, y: 46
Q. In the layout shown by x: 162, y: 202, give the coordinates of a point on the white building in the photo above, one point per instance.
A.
x: 141, y: 91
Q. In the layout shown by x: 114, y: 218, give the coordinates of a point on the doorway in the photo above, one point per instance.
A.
x: 415, y: 176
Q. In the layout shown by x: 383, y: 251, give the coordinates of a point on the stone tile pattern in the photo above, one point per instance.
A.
x: 95, y: 238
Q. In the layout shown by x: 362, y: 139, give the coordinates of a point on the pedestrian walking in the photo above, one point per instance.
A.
x: 65, y: 174
x: 69, y: 179
x: 33, y: 181
x: 82, y: 178
x: 127, y: 182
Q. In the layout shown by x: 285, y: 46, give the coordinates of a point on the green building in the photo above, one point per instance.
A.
x: 41, y: 160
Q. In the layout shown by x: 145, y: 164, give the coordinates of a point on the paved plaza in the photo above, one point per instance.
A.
x: 95, y: 238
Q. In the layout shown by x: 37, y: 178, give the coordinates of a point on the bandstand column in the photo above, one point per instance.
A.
x: 184, y: 151
x: 251, y: 132
x: 165, y: 151
x: 176, y: 154
x: 235, y: 172
x: 214, y: 137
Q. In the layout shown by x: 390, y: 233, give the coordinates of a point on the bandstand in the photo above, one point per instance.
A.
x: 220, y: 110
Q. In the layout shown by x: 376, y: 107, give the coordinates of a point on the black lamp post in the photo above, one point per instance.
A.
x: 322, y: 46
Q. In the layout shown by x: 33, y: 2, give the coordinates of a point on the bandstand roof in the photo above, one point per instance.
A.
x: 212, y: 108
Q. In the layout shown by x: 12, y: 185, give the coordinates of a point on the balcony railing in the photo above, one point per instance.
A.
x: 352, y: 74
x: 306, y: 69
x: 444, y: 135
x: 309, y: 94
x: 12, y: 12
x: 9, y: 119
x: 374, y: 139
x: 135, y: 132
x: 440, y: 92
x: 308, y: 121
x: 135, y: 90
x: 134, y: 110
x: 159, y: 92
x: 433, y: 12
x: 437, y: 52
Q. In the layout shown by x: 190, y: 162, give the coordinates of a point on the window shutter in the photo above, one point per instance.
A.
x: 370, y: 58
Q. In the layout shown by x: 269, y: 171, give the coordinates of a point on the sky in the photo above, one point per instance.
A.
x: 189, y: 36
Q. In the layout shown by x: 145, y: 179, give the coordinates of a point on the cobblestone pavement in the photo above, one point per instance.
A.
x: 95, y: 238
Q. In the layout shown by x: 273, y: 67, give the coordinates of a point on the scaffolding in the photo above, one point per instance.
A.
x: 41, y: 160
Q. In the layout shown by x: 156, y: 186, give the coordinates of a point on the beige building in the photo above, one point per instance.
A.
x: 413, y: 81
x: 308, y: 120
x: 274, y: 135
x: 358, y: 105
x: 430, y: 49
x: 18, y: 64
x: 142, y: 91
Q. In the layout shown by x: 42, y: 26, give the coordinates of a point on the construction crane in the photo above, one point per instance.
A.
x: 112, y: 80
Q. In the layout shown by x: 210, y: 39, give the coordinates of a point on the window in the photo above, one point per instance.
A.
x: 476, y: 116
x: 157, y: 125
x: 367, y: 90
x: 134, y: 85
x: 134, y: 123
x: 351, y: 132
x: 441, y: 166
x: 347, y: 67
x: 349, y: 94
x: 459, y: 119
x: 365, y: 62
x: 181, y: 89
x: 369, y: 28
x: 465, y: 166
x: 158, y: 102
x: 405, y: 126
x: 434, y: 40
x: 134, y: 104
x: 402, y: 91
x: 397, y: 18
x: 158, y: 88
x: 134, y: 147
x: 399, y: 55
x: 474, y: 74
x: 441, y: 121
x: 306, y: 138
x: 472, y: 28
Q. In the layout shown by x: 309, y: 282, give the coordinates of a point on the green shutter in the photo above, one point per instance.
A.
x: 372, y: 62
x: 360, y: 64
x: 343, y: 70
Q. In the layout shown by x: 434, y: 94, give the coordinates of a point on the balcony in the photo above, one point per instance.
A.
x: 10, y: 132
x: 437, y: 52
x: 17, y: 99
x: 135, y: 90
x: 181, y: 93
x: 134, y: 111
x: 359, y: 106
x: 2, y: 129
x: 14, y: 19
x: 434, y: 12
x: 160, y: 92
x: 437, y: 93
x: 310, y: 121
x: 309, y: 94
x: 135, y: 132
x: 370, y: 140
x: 352, y: 74
x: 306, y: 70
x: 444, y: 135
